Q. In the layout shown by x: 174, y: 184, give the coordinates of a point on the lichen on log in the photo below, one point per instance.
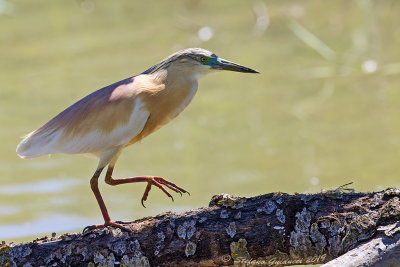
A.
x: 270, y: 229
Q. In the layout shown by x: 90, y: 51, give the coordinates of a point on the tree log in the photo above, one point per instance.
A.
x: 271, y: 229
x: 381, y: 251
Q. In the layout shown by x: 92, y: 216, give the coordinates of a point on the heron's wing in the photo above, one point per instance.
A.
x: 107, y: 118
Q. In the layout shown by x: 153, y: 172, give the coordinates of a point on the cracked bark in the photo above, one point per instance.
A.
x: 271, y: 229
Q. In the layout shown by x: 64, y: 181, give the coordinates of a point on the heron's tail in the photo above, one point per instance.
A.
x: 33, y: 145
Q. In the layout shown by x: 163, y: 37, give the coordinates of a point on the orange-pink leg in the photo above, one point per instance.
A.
x: 151, y: 180
x: 107, y: 221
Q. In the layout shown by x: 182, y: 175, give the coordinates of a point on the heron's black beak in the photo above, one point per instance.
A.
x: 222, y: 64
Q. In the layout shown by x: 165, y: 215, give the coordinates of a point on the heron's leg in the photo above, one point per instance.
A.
x: 94, y: 184
x: 95, y: 188
x: 151, y: 180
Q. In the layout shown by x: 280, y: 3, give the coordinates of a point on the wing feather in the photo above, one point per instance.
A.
x: 107, y: 118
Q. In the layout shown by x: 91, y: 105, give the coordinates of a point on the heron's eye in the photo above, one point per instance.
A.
x: 203, y: 59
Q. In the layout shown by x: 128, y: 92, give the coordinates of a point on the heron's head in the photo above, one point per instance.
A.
x: 198, y: 62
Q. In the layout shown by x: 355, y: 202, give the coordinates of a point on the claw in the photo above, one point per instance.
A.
x: 146, y: 193
x: 156, y: 183
x: 170, y: 185
x: 172, y: 188
x: 160, y: 183
x: 90, y: 228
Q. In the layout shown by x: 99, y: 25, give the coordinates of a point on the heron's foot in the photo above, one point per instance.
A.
x: 90, y: 228
x: 160, y: 183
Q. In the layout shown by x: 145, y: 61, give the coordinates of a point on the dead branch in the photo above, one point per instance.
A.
x: 271, y: 229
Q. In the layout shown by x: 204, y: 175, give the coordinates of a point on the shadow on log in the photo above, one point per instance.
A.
x: 271, y: 229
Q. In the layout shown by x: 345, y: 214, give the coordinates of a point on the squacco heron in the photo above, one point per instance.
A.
x: 108, y: 120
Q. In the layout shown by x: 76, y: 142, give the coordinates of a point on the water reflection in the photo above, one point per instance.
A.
x: 44, y: 225
x: 8, y: 210
x: 41, y: 187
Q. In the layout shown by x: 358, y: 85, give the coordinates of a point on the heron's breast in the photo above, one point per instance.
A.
x: 179, y: 102
x: 163, y: 107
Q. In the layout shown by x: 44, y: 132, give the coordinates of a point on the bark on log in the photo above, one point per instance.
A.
x: 271, y: 229
x: 381, y: 251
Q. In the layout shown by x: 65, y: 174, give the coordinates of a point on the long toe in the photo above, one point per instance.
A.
x: 170, y: 185
x: 160, y: 183
x: 119, y: 225
x: 90, y: 228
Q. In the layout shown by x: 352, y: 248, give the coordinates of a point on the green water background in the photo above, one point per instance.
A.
x: 324, y: 111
